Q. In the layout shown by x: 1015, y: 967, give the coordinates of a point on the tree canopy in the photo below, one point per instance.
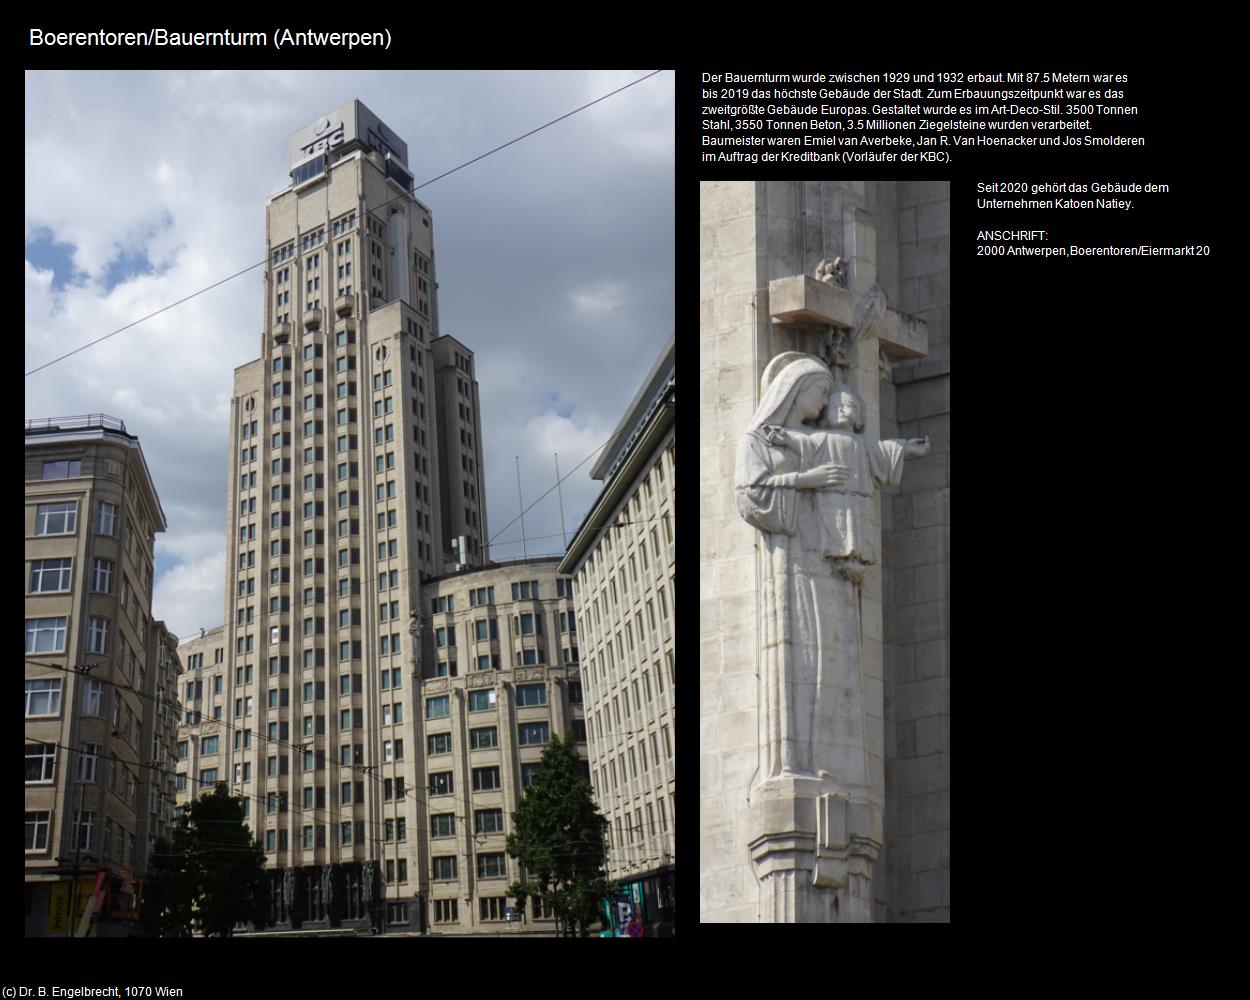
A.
x: 212, y: 870
x: 558, y: 837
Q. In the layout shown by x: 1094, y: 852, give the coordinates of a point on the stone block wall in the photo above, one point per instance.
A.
x: 916, y: 548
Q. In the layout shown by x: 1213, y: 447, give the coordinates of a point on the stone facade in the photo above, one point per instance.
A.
x: 622, y: 558
x: 100, y: 674
x: 880, y: 316
x: 500, y: 676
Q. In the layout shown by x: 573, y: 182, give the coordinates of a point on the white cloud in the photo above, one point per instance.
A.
x: 190, y: 597
x: 599, y: 299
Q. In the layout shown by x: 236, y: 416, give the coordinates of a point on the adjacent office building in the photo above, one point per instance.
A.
x: 100, y: 676
x: 500, y: 676
x: 621, y: 561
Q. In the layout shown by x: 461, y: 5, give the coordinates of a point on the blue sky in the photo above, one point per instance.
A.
x: 555, y: 266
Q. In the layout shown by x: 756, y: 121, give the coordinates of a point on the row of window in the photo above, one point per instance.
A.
x: 439, y: 707
x: 51, y: 576
x: 47, y: 635
x: 43, y: 698
x: 488, y: 866
x: 486, y: 779
x: 62, y: 518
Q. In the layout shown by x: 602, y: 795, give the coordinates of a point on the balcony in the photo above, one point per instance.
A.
x: 281, y: 333
x: 343, y: 305
x: 312, y: 319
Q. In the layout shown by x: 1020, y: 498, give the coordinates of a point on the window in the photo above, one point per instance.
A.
x: 40, y: 762
x: 438, y: 708
x: 97, y: 635
x: 446, y: 911
x: 534, y: 733
x: 208, y: 744
x: 208, y: 777
x: 56, y: 518
x: 50, y: 575
x: 441, y: 783
x: 491, y: 866
x: 45, y: 635
x: 484, y: 739
x: 67, y: 469
x: 439, y: 743
x: 93, y: 698
x: 37, y: 824
x: 440, y: 826
x: 488, y: 821
x: 531, y: 694
x: 485, y: 779
x: 102, y: 577
x: 106, y: 519
x: 527, y: 774
x: 480, y: 701
x: 444, y: 869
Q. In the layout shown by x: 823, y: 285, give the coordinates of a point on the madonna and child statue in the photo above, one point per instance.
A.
x: 806, y: 479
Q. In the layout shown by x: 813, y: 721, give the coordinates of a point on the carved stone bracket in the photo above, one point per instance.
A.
x: 827, y: 320
x: 815, y: 864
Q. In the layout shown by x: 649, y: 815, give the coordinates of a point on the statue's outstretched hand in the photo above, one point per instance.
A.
x: 823, y: 477
x: 917, y: 447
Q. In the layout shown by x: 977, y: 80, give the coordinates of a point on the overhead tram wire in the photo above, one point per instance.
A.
x: 445, y: 173
x: 495, y: 537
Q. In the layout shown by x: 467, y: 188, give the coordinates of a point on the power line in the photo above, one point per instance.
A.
x: 545, y: 495
x: 417, y: 187
x: 186, y: 298
x: 539, y: 129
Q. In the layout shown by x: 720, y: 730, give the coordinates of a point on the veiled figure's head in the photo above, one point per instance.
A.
x: 794, y: 390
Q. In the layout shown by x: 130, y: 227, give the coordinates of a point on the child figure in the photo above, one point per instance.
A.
x: 846, y: 514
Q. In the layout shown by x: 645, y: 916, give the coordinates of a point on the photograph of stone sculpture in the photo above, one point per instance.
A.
x: 824, y: 558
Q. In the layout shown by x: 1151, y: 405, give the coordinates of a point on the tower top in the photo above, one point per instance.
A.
x: 348, y: 125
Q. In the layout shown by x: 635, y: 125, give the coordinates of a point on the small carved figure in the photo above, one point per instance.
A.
x: 327, y: 888
x: 848, y: 535
x: 288, y: 889
x: 832, y: 272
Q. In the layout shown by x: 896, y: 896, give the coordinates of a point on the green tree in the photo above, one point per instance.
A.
x: 213, y: 870
x: 558, y: 837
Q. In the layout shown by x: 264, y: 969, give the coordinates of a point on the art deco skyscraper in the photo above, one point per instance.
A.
x: 355, y: 472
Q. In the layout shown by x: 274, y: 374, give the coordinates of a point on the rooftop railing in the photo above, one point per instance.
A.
x: 77, y: 423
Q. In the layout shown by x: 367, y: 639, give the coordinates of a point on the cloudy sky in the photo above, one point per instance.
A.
x: 555, y: 265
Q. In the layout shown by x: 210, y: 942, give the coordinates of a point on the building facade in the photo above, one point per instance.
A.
x: 622, y: 563
x: 763, y: 292
x: 100, y: 675
x: 499, y: 677
x: 355, y: 475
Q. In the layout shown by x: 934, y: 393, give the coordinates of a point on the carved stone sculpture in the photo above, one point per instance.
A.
x: 288, y: 889
x: 832, y: 272
x: 327, y: 888
x: 805, y: 479
x: 366, y: 877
